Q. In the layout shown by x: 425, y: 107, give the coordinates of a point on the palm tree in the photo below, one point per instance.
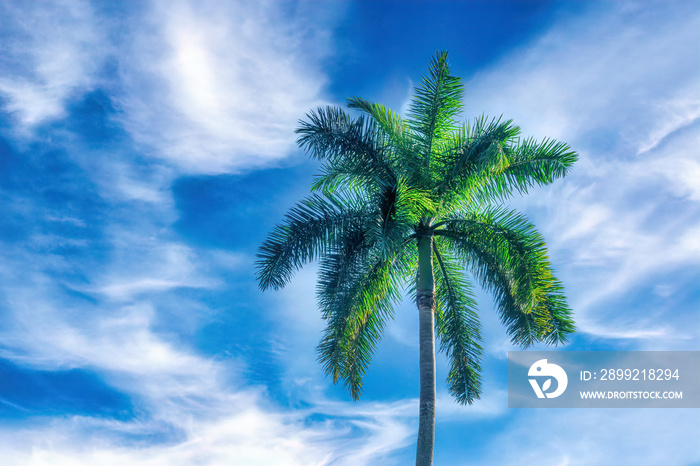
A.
x: 409, y: 204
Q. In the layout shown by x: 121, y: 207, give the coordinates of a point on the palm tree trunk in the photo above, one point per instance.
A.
x: 425, y: 297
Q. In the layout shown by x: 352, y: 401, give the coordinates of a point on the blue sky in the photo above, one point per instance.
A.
x: 146, y: 148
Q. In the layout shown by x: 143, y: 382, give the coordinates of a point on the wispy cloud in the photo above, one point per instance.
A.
x: 145, y: 265
x: 220, y: 87
x: 51, y: 52
x: 621, y: 85
x: 209, y: 88
x: 597, y: 436
x: 242, y: 434
x: 192, y: 408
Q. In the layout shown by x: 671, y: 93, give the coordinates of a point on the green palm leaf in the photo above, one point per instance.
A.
x: 431, y: 113
x: 509, y: 257
x: 350, y: 148
x: 458, y: 328
x: 310, y: 228
x: 394, y: 132
x: 356, y: 293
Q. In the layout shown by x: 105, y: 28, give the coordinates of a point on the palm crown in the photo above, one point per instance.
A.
x: 409, y: 204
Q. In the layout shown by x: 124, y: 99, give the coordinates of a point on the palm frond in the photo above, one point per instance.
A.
x: 351, y: 173
x: 476, y: 154
x: 349, y: 148
x: 392, y: 127
x: 458, y: 328
x: 309, y: 229
x: 356, y: 291
x: 437, y: 100
x: 509, y: 257
x: 534, y: 163
x: 487, y: 161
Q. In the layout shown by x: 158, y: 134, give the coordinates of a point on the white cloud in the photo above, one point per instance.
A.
x: 208, y: 87
x: 627, y: 68
x: 622, y: 86
x: 675, y: 160
x: 493, y: 403
x: 53, y: 51
x: 552, y: 437
x: 220, y: 86
x: 673, y: 115
x: 198, y: 406
x: 190, y: 407
x: 242, y: 433
x: 144, y: 264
